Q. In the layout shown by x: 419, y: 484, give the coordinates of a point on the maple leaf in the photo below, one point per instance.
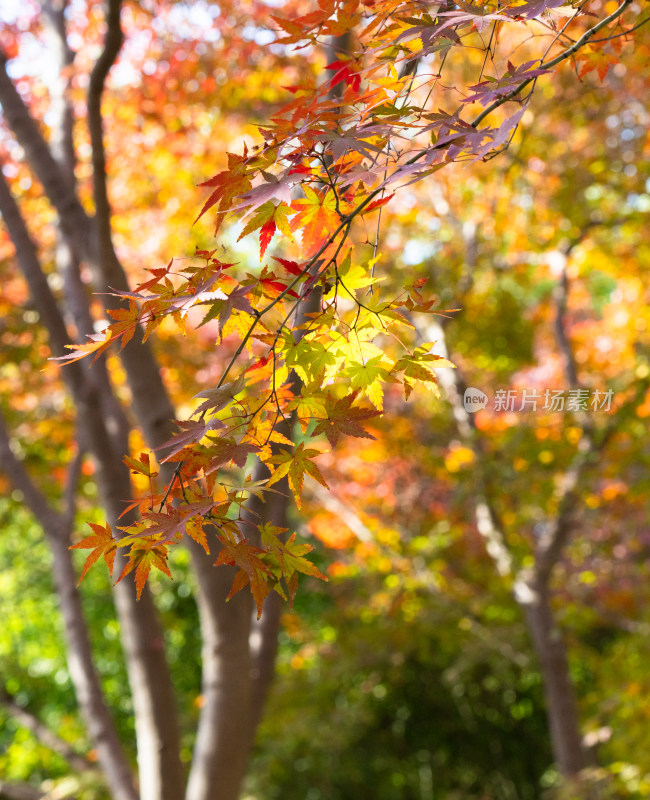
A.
x: 343, y: 72
x: 173, y: 524
x: 355, y: 346
x: 593, y: 58
x: 289, y: 554
x: 489, y: 90
x: 415, y: 371
x: 533, y: 8
x: 377, y: 204
x: 354, y: 140
x: 267, y: 218
x: 228, y: 184
x: 125, y: 324
x: 251, y: 569
x: 273, y: 188
x: 343, y: 418
x: 353, y: 276
x: 141, y: 466
x: 273, y: 288
x: 145, y: 554
x: 295, y: 464
x: 220, y: 396
x: 192, y: 431
x: 290, y: 266
x: 226, y: 449
x: 367, y: 379
x: 308, y: 405
x: 309, y: 358
x: 97, y: 344
x: 316, y: 216
x: 222, y: 309
x: 102, y: 544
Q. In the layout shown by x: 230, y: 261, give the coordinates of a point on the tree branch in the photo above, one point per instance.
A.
x: 77, y: 226
x: 560, y: 298
x: 86, y: 397
x: 84, y: 677
x: 223, y: 737
x: 61, y: 110
x: 112, y: 45
x: 578, y: 45
x: 590, y: 447
x: 20, y: 791
x: 45, y: 735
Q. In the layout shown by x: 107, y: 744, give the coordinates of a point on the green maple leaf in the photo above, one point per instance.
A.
x: 309, y: 404
x: 309, y: 358
x: 367, y: 378
x: 355, y: 276
x: 355, y: 346
x: 415, y: 371
x: 294, y: 465
x: 289, y: 555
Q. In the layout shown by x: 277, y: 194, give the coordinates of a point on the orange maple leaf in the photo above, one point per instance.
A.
x: 317, y: 216
x: 144, y: 554
x: 251, y: 570
x: 102, y: 544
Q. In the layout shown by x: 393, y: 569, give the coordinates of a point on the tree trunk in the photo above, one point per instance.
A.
x: 224, y: 736
x: 562, y: 709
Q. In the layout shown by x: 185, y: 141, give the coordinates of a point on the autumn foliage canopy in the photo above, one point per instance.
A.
x: 313, y: 341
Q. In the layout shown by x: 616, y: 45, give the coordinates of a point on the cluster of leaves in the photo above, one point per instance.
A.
x: 311, y: 330
x: 303, y: 376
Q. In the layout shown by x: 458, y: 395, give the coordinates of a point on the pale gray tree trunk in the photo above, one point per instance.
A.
x: 562, y: 708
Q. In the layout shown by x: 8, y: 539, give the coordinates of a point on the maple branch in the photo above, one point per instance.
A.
x: 77, y: 226
x: 263, y: 639
x: 530, y: 588
x: 62, y: 146
x: 112, y: 45
x: 263, y: 643
x: 622, y: 33
x: 581, y: 42
x: 150, y: 397
x: 34, y: 498
x: 61, y: 142
x: 88, y: 399
x: 224, y: 731
x: 560, y: 298
x: 584, y: 39
x: 72, y: 479
x: 486, y: 517
x: 556, y: 536
x: 44, y: 734
x: 20, y: 791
